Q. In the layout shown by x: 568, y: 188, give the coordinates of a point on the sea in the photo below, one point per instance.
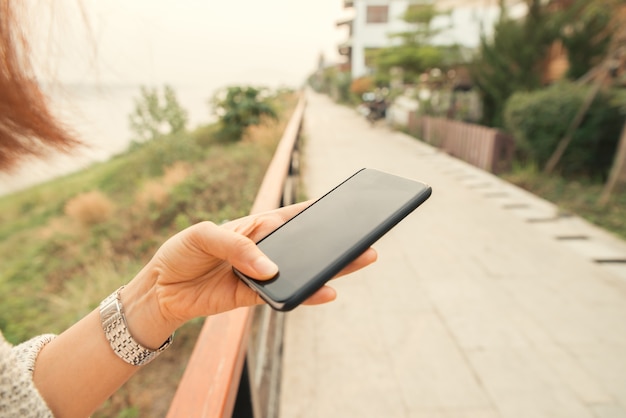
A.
x: 99, y: 114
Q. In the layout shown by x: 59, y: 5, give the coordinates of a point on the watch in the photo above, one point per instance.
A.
x: 116, y: 331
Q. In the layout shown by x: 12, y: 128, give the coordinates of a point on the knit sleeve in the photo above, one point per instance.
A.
x: 18, y: 395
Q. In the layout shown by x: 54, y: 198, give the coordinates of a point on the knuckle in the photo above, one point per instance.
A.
x: 206, y: 226
x: 241, y: 243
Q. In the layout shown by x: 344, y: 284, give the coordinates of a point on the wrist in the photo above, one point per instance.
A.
x: 144, y: 319
x: 115, y: 327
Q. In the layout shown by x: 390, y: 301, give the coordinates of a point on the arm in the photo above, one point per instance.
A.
x: 18, y: 395
x: 189, y: 276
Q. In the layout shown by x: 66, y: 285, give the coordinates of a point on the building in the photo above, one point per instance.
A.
x: 374, y: 21
x: 370, y: 28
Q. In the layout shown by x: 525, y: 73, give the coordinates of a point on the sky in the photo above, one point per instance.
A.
x: 187, y: 41
x: 265, y: 42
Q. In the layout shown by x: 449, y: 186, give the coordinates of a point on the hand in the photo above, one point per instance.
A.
x: 191, y: 274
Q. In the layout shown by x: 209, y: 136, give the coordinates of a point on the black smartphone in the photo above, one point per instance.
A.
x: 320, y: 241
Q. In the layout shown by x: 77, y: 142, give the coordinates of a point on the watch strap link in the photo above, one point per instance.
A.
x: 116, y: 331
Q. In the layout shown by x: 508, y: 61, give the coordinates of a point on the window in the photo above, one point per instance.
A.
x: 377, y: 14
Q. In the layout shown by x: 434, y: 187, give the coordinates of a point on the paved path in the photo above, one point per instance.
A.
x: 483, y: 304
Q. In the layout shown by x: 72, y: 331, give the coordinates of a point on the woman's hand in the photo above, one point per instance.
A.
x: 191, y: 274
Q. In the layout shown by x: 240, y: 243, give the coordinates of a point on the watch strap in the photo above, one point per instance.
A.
x: 116, y: 331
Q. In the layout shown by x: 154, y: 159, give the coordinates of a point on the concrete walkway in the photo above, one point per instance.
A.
x: 483, y: 304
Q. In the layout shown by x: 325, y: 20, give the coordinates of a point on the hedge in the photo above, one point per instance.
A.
x: 539, y: 119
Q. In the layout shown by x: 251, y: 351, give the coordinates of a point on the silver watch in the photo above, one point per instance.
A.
x: 116, y: 331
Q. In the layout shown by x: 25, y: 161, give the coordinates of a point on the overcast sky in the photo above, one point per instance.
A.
x: 189, y: 41
x: 214, y: 42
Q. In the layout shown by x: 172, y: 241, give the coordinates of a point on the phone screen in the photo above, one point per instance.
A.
x: 316, y: 244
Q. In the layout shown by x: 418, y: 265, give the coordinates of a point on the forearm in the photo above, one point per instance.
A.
x: 78, y: 370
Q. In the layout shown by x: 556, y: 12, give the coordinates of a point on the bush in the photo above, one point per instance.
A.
x: 340, y: 91
x: 90, y: 208
x: 362, y: 85
x: 339, y: 85
x: 538, y: 120
x: 240, y: 107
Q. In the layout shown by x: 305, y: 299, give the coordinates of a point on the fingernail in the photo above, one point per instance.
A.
x: 265, y: 267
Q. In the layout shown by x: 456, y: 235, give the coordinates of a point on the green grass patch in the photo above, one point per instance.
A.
x: 580, y: 197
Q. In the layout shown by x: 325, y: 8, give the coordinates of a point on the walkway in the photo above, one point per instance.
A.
x: 483, y: 303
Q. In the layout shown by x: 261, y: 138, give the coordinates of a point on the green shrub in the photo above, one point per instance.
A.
x: 538, y: 120
x: 240, y: 107
x: 205, y: 135
x: 337, y: 84
x: 341, y: 90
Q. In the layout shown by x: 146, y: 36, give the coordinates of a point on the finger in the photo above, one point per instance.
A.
x: 288, y: 212
x: 324, y: 295
x: 240, y: 251
x: 368, y: 257
x: 260, y: 225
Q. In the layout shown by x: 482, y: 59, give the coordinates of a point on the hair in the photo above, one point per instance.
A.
x: 27, y: 127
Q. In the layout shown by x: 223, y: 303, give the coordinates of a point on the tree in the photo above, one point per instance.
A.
x: 416, y: 53
x: 586, y: 34
x: 157, y: 114
x: 240, y: 107
x: 511, y: 60
x: 602, y: 76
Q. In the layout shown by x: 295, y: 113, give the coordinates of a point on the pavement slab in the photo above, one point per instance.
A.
x: 487, y: 302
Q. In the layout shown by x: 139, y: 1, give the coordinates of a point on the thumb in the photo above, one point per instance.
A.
x: 240, y: 251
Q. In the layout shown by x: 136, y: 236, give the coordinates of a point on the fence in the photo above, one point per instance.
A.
x: 486, y: 148
x: 234, y: 369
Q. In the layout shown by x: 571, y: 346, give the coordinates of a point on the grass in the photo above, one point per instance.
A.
x: 66, y: 244
x: 579, y: 197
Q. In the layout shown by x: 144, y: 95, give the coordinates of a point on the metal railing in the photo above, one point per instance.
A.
x: 235, y: 365
x: 486, y: 148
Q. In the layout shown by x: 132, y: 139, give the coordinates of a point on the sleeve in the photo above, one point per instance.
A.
x: 18, y: 395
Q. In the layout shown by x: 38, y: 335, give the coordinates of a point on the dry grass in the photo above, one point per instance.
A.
x: 176, y: 173
x: 90, y: 208
x: 100, y: 278
x: 155, y: 192
x: 265, y: 132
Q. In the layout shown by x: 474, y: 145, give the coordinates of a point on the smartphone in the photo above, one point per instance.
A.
x: 315, y: 245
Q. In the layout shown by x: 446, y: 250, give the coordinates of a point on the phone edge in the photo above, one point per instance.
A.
x: 297, y: 298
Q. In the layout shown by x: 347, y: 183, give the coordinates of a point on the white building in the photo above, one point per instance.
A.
x: 370, y: 28
x: 374, y: 20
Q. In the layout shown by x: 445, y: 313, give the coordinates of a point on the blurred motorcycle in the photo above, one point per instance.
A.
x: 374, y: 107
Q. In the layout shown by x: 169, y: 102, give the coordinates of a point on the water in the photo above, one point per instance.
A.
x: 99, y: 114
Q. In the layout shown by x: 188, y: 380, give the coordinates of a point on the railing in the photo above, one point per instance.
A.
x: 487, y: 148
x: 235, y: 366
